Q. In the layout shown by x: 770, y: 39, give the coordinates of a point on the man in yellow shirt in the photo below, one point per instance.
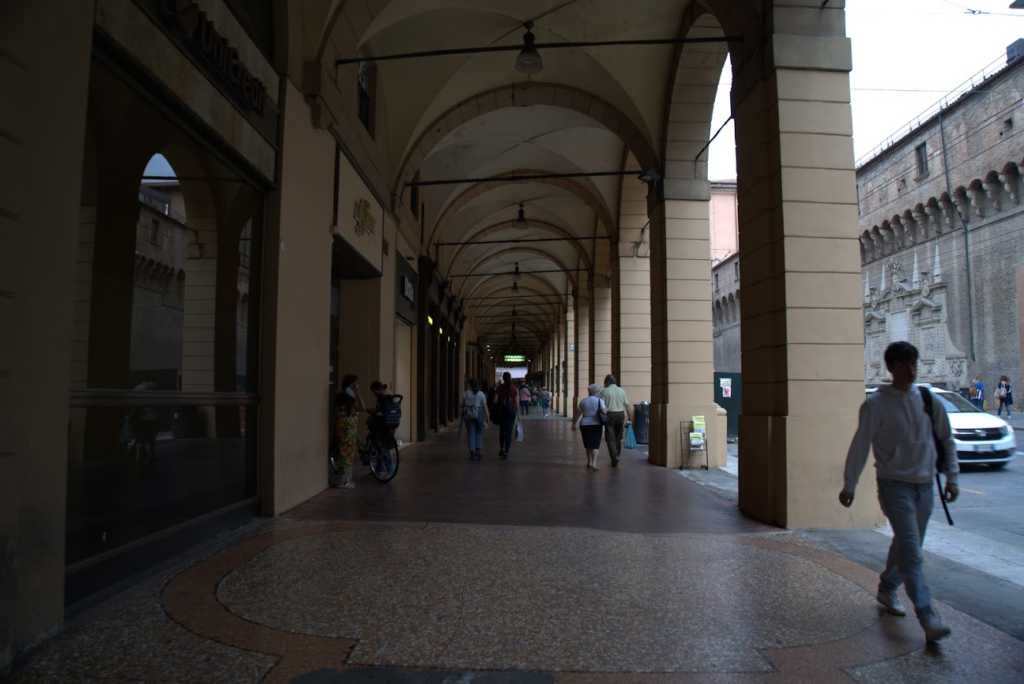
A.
x: 620, y: 414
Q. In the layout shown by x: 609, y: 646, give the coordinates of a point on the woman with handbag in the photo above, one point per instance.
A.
x: 473, y: 406
x: 1004, y: 393
x: 591, y: 414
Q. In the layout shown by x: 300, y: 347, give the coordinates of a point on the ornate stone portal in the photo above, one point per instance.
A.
x: 910, y: 307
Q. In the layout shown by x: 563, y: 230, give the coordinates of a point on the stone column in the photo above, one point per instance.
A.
x: 602, y: 325
x: 569, y: 350
x: 44, y: 50
x: 633, y: 367
x: 584, y: 372
x: 802, y: 332
x: 682, y: 349
x: 556, y: 388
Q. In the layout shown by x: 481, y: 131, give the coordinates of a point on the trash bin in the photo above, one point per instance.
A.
x: 642, y: 422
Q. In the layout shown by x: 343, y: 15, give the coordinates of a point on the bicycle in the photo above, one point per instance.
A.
x: 379, y: 452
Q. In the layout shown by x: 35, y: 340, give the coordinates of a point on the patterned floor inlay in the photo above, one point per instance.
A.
x: 466, y: 603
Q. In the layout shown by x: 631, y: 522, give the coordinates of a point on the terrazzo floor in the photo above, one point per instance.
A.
x: 527, y: 570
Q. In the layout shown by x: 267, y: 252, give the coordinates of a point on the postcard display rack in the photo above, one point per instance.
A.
x: 694, y: 437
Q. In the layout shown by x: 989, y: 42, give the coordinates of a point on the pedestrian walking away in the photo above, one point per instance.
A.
x: 895, y: 423
x: 588, y: 416
x: 545, y: 401
x: 347, y: 406
x: 524, y: 399
x: 1004, y: 393
x: 978, y: 392
x: 474, y: 412
x: 506, y: 403
x: 620, y: 414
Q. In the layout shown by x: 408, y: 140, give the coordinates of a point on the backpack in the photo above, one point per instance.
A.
x: 507, y: 404
x: 940, y: 449
x: 470, y: 411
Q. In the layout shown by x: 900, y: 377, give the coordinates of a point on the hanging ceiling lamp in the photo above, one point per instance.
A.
x: 520, y: 222
x: 529, y: 61
x: 517, y: 276
x: 515, y: 288
x: 514, y: 312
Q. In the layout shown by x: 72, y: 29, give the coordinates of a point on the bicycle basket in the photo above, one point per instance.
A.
x: 392, y: 411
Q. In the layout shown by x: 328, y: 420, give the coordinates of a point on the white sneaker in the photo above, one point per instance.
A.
x: 349, y: 485
x: 891, y: 602
x: 933, y: 628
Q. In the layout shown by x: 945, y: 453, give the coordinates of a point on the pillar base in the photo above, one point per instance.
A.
x: 666, y: 438
x: 791, y: 473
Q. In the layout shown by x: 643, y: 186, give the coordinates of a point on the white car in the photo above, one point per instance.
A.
x: 980, y: 437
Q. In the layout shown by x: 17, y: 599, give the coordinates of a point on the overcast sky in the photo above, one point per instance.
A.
x: 900, y: 48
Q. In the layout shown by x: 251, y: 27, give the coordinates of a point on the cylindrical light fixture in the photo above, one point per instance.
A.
x: 520, y: 222
x: 529, y: 60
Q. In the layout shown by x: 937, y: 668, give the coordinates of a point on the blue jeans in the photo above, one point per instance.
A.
x: 908, y: 506
x: 475, y: 426
x: 1002, y: 403
x: 507, y: 422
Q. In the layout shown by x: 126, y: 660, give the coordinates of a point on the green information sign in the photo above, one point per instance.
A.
x: 515, y: 358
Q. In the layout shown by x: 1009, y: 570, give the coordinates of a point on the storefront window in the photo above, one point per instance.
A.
x: 164, y: 388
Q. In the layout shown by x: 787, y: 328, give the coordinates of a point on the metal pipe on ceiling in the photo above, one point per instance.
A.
x: 517, y: 47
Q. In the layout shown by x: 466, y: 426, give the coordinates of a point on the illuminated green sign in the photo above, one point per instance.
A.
x: 515, y: 358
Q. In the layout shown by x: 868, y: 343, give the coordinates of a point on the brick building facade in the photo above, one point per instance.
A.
x: 956, y: 294
x: 942, y: 235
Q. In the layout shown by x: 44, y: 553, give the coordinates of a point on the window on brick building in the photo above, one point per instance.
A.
x: 921, y: 153
x: 736, y: 269
x: 716, y: 282
x: 154, y: 231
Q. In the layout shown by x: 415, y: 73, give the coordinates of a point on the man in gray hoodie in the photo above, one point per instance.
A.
x: 895, y: 423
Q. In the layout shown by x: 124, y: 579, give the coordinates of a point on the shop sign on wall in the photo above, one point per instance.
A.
x: 515, y: 358
x: 365, y: 223
x: 218, y: 55
x: 726, y: 384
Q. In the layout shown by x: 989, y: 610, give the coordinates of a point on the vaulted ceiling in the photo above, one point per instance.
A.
x: 475, y: 120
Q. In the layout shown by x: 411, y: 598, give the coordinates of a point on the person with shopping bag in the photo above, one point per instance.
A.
x: 506, y: 401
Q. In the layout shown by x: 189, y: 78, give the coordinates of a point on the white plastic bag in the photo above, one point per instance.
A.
x: 519, y: 432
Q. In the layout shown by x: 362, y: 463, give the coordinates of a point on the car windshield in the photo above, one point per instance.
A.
x: 954, y: 403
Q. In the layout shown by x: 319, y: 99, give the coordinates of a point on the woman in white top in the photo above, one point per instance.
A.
x: 587, y: 414
x: 474, y: 413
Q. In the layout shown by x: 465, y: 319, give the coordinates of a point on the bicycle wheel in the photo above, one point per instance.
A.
x: 384, y: 463
x: 333, y: 474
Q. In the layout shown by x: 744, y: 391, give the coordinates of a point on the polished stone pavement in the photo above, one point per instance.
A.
x: 527, y: 570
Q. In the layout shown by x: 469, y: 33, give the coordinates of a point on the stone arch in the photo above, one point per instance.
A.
x: 570, y: 273
x: 549, y: 317
x: 1009, y: 176
x: 477, y: 189
x: 691, y: 101
x: 529, y: 279
x: 867, y: 246
x: 541, y: 225
x: 525, y: 95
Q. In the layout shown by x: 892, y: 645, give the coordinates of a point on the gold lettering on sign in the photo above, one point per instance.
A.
x: 364, y: 219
